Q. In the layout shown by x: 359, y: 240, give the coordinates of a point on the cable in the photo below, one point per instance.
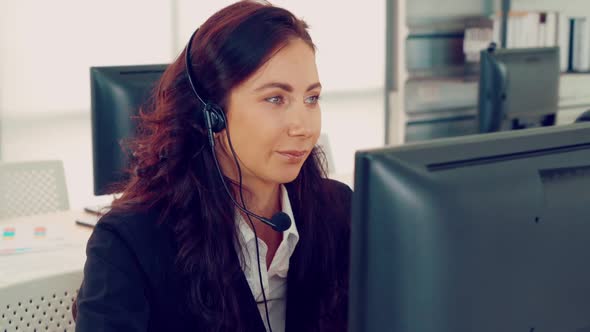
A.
x: 212, y: 144
x: 247, y: 215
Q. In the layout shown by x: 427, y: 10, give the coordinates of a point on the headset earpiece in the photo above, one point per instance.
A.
x: 213, y: 114
x: 217, y: 117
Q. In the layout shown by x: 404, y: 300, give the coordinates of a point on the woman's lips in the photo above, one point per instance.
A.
x: 293, y: 155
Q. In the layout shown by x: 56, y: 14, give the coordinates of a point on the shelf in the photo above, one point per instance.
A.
x: 451, y: 10
x: 445, y: 25
x: 431, y: 85
x: 440, y: 95
x: 441, y: 56
x: 456, y: 79
x: 439, y: 35
x: 466, y: 72
x: 575, y: 73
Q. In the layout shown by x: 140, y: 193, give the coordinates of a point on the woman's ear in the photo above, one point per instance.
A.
x: 221, y: 140
x: 220, y: 136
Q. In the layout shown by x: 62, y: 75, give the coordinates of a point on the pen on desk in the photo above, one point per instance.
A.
x: 86, y: 223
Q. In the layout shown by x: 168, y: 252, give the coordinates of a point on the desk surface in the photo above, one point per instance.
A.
x: 41, y: 246
x: 44, y: 245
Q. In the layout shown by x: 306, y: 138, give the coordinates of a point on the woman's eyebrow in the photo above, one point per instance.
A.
x: 285, y: 86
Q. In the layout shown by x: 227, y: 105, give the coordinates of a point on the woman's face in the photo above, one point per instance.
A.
x: 274, y: 116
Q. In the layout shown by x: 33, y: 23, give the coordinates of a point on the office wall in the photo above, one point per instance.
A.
x: 48, y: 46
x: 350, y: 37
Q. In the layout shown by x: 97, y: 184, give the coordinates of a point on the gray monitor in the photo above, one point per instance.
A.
x: 478, y: 233
x: 117, y: 92
x: 518, y: 88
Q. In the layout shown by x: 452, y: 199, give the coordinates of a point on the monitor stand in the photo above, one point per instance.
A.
x: 542, y: 121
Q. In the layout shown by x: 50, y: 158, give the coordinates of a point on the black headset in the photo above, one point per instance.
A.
x: 215, y: 122
x: 213, y: 114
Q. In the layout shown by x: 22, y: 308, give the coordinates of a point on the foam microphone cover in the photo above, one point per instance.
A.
x: 281, y: 221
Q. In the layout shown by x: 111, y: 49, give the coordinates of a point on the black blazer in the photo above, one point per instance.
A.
x: 130, y: 282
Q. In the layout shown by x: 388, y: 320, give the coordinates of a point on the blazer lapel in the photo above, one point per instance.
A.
x: 296, y: 318
x: 249, y: 309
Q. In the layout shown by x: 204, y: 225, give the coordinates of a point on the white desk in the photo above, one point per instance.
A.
x: 60, y: 250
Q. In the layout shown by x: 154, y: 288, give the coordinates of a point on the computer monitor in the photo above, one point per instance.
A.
x: 116, y: 94
x: 518, y: 88
x: 478, y: 233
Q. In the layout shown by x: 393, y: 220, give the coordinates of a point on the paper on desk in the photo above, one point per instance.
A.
x: 25, y: 238
x: 29, y: 251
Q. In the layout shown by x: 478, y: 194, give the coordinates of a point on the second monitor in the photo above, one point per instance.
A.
x: 117, y: 93
x: 518, y: 88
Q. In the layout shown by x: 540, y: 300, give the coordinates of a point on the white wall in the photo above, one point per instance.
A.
x: 190, y: 15
x: 48, y: 46
x: 350, y: 36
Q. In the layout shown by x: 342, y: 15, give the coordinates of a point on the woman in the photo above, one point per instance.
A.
x: 238, y: 110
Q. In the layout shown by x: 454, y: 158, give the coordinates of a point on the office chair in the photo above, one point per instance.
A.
x: 32, y: 187
x: 40, y: 305
x: 584, y: 117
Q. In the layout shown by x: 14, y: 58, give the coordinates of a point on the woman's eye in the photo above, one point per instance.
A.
x: 275, y: 100
x: 312, y: 100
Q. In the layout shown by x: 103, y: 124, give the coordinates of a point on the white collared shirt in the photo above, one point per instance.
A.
x: 274, y: 278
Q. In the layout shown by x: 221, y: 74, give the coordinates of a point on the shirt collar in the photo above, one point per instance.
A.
x: 291, y: 232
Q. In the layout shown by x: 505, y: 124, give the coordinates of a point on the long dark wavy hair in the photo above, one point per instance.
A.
x: 173, y: 171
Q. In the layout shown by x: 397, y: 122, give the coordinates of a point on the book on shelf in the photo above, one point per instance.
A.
x: 527, y: 29
x: 476, y: 39
x: 478, y: 36
x: 563, y: 41
x: 524, y: 29
x: 581, y: 44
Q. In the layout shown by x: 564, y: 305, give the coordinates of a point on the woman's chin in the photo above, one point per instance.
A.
x: 287, y: 176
